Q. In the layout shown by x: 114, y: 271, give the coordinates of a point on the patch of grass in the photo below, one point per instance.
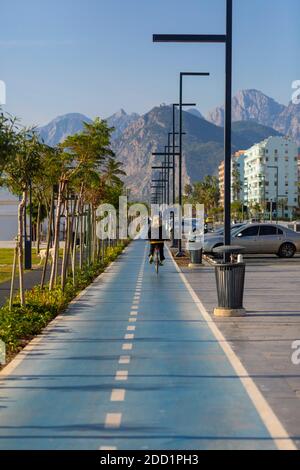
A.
x: 20, y: 325
x: 6, y: 262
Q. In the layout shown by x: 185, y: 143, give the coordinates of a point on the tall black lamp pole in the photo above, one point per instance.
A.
x: 227, y: 40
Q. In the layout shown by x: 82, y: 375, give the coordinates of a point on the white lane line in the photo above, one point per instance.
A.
x: 134, y: 307
x: 107, y: 448
x: 118, y: 395
x: 272, y: 423
x: 124, y: 360
x: 132, y: 320
x: 113, y: 420
x: 127, y: 347
x: 131, y: 328
x: 121, y: 375
x: 129, y: 337
x: 133, y: 314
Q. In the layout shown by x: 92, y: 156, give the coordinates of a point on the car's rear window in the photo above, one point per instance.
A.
x: 250, y: 232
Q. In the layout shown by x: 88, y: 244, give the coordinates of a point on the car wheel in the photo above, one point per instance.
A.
x: 287, y: 250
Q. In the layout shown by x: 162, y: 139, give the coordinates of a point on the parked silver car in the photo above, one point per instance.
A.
x: 220, y: 231
x: 260, y: 239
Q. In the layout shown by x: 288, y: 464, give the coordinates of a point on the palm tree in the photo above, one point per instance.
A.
x: 21, y: 167
x: 113, y: 171
x: 236, y: 184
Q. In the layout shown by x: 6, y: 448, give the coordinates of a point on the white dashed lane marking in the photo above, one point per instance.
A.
x: 129, y: 336
x: 118, y: 395
x: 124, y: 360
x: 131, y: 328
x: 133, y: 314
x: 132, y: 320
x: 113, y: 420
x: 122, y: 375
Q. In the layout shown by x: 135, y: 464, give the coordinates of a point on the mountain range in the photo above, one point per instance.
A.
x: 255, y: 115
x: 253, y: 105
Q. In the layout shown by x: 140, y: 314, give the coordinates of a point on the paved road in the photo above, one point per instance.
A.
x: 263, y: 339
x: 134, y: 364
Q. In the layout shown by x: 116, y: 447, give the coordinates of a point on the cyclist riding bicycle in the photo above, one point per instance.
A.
x: 155, y: 235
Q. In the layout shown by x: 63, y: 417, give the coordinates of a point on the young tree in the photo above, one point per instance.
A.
x: 21, y: 166
x: 85, y: 152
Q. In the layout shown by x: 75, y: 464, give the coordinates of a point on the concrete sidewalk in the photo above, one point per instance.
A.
x: 263, y: 340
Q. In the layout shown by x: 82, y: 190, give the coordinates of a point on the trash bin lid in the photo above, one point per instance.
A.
x: 229, y: 249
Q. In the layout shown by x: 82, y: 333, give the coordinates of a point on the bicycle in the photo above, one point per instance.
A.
x: 156, y: 257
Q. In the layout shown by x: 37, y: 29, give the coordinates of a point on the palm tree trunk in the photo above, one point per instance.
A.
x: 94, y: 235
x: 20, y: 246
x: 56, y: 237
x: 38, y: 229
x: 81, y: 237
x: 66, y: 249
x: 13, y: 275
x: 74, y: 255
x: 49, y: 237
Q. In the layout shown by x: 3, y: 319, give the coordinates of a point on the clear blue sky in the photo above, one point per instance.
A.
x: 96, y: 56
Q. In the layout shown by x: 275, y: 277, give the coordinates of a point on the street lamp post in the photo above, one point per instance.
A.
x: 28, y: 237
x: 183, y: 74
x: 174, y: 134
x: 227, y: 40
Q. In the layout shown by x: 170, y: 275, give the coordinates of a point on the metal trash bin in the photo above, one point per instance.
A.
x: 196, y: 256
x: 195, y: 250
x: 230, y: 279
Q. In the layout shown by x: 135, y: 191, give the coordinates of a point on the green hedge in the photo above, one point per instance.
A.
x: 21, y: 324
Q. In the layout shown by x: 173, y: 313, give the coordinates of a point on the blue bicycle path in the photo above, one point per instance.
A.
x: 181, y: 391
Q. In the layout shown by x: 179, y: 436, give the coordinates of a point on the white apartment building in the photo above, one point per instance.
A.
x: 237, y: 168
x: 271, y: 175
x: 8, y: 216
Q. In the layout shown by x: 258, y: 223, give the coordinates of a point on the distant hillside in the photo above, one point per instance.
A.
x: 136, y: 137
x: 203, y: 145
x: 61, y: 127
x: 253, y: 105
x: 246, y: 133
x: 120, y: 121
x: 69, y: 124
